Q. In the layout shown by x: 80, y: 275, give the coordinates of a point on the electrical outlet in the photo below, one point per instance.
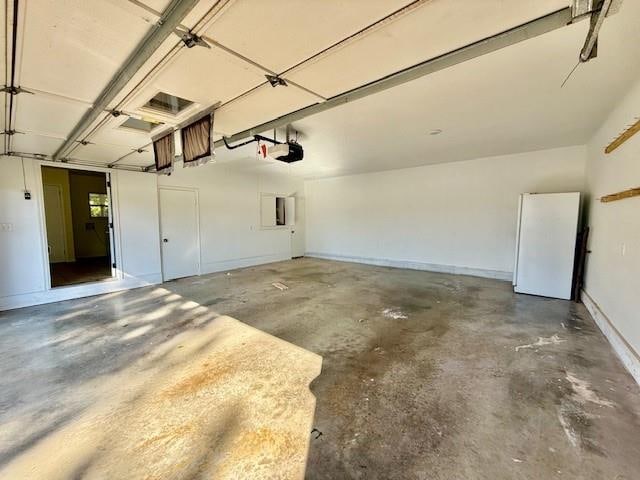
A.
x: 27, y: 195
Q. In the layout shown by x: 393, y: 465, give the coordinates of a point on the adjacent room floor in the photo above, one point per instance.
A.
x: 83, y: 270
x: 423, y: 375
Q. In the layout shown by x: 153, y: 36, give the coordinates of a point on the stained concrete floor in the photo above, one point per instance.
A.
x: 424, y: 376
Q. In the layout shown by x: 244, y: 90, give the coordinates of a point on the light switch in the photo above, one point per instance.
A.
x: 7, y: 227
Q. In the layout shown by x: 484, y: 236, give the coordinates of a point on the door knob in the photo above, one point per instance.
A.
x: 165, y: 240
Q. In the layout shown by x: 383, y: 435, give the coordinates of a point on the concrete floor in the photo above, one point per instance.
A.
x: 424, y: 376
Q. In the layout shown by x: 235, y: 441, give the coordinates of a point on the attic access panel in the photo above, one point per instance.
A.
x: 168, y: 104
x: 140, y: 124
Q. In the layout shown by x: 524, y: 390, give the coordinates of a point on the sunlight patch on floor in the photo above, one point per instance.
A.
x: 222, y: 400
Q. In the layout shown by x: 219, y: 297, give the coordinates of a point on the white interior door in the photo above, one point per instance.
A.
x: 297, y: 238
x: 179, y: 233
x: 547, y: 240
x: 54, y: 219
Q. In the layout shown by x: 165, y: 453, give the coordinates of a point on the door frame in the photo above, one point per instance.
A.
x: 196, y: 193
x: 113, y: 210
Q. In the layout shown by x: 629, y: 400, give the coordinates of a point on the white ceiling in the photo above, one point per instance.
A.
x: 508, y: 101
x: 279, y: 34
x: 73, y: 47
x: 437, y: 27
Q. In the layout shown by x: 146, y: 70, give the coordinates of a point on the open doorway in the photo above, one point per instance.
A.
x: 77, y: 214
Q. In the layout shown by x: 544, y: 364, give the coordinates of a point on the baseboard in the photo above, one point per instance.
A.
x: 224, y: 265
x: 412, y: 265
x: 629, y: 357
x: 79, y: 291
x: 115, y: 285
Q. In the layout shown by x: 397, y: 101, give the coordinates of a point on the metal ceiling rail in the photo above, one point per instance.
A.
x: 239, y: 56
x: 526, y: 31
x: 171, y: 18
x: 212, y: 13
x: 377, y: 25
x: 402, y: 11
x: 72, y: 161
x: 10, y: 66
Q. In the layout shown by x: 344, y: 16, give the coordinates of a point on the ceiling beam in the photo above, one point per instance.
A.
x: 526, y: 31
x: 171, y: 18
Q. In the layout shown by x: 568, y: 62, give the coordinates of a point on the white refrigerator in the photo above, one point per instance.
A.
x: 545, y: 244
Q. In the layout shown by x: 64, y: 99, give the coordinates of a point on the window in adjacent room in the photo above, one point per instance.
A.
x: 99, y: 205
x: 280, y: 211
x: 276, y: 211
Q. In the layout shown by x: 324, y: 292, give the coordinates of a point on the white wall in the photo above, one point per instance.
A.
x: 23, y: 261
x: 612, y: 280
x: 231, y: 235
x: 456, y: 217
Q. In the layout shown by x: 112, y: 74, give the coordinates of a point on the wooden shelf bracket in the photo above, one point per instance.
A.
x: 624, y: 136
x: 632, y: 192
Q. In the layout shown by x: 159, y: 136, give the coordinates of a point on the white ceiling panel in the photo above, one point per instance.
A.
x: 143, y: 159
x: 435, y: 28
x: 202, y: 75
x: 263, y: 104
x: 74, y: 47
x: 210, y: 8
x: 281, y: 33
x: 31, y: 143
x: 157, y: 5
x: 99, y: 153
x: 47, y: 115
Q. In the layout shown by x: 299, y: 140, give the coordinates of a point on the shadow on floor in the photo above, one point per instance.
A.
x: 424, y: 375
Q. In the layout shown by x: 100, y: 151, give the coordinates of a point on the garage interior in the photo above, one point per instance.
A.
x: 300, y: 239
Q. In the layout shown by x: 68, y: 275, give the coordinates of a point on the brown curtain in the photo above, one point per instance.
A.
x: 164, y: 151
x: 196, y: 141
